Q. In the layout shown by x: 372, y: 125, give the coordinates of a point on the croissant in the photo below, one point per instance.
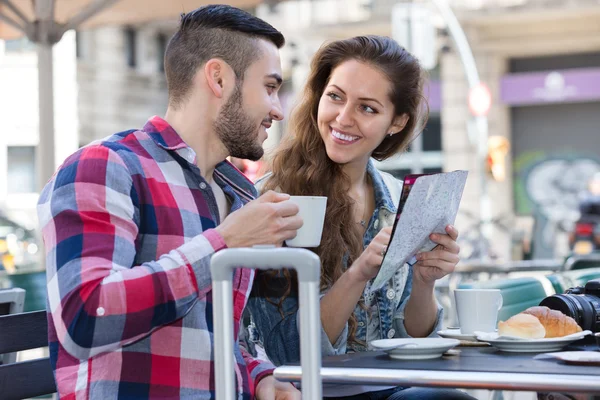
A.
x: 523, y: 326
x: 555, y: 322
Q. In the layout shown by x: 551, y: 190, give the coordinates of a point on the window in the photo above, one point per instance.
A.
x: 424, y: 155
x: 161, y: 45
x: 21, y: 169
x: 435, y: 170
x: 400, y: 173
x: 432, y: 134
x: 130, y: 46
x: 78, y: 45
x: 19, y: 45
x: 431, y: 137
x: 555, y: 62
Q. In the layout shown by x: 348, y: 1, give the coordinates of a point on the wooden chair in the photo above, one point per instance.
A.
x: 19, y: 380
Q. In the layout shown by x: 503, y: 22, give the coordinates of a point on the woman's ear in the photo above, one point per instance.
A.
x: 399, y: 123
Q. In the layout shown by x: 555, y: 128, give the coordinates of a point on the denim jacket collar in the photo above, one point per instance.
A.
x: 383, y: 197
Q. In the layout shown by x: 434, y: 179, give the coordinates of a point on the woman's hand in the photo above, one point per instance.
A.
x: 271, y: 389
x: 367, y: 265
x: 439, y: 262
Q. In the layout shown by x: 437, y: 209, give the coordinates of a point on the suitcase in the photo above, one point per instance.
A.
x: 308, y: 267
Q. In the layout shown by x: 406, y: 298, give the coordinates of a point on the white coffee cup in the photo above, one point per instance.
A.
x: 477, y: 309
x: 312, y: 211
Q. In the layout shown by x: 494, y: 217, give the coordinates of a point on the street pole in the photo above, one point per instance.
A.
x: 480, y: 138
x: 45, y: 156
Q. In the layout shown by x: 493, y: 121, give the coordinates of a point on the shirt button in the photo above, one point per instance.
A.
x: 100, y: 311
x: 391, y: 333
x: 390, y: 294
x: 203, y: 186
x: 361, y: 323
x: 376, y: 224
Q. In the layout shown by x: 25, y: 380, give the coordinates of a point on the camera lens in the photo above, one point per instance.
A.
x: 583, y: 308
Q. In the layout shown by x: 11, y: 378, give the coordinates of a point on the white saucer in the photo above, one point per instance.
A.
x: 519, y: 345
x: 576, y: 357
x: 454, y: 333
x: 423, y: 348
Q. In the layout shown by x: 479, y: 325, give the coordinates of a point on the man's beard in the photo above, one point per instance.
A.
x: 237, y: 131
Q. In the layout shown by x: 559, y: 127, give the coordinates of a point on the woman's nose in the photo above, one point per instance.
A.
x: 345, y: 117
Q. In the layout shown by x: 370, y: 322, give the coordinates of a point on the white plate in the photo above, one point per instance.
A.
x: 519, y: 345
x: 423, y: 348
x: 577, y: 357
x: 454, y: 333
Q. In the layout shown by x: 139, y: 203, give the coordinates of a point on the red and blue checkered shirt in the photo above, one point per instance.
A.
x: 127, y: 224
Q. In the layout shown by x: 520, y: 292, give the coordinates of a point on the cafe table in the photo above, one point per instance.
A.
x: 467, y: 368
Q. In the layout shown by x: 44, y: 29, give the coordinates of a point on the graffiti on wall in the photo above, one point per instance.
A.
x: 549, y: 188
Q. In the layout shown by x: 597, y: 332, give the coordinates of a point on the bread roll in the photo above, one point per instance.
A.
x: 522, y: 325
x: 555, y: 322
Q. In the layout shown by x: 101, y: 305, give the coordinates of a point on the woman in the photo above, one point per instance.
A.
x: 363, y: 99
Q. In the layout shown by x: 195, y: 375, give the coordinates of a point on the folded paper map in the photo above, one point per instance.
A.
x: 431, y: 205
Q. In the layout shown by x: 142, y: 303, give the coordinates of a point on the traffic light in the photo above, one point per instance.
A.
x: 498, y: 148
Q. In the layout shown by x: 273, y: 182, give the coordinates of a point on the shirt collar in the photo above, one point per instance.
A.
x: 166, y: 137
x: 163, y: 134
x: 383, y: 198
x: 234, y: 178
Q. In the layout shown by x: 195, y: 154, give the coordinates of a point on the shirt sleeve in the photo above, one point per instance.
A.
x: 99, y: 299
x: 399, y: 326
x: 280, y: 335
x: 257, y: 369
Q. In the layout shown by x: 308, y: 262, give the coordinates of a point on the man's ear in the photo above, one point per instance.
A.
x: 399, y: 123
x: 215, y: 73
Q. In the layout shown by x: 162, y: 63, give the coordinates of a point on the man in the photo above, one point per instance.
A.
x: 130, y: 224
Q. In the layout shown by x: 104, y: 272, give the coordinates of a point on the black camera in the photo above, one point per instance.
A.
x: 580, y: 303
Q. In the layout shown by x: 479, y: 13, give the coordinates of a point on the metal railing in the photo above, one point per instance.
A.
x: 571, y: 261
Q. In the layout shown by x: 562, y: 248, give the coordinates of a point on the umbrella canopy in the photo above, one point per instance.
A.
x: 93, y: 13
x: 45, y: 21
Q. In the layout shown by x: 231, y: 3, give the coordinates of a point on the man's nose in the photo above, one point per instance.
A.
x: 277, y: 110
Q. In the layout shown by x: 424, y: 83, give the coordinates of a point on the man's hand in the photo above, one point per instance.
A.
x: 270, y: 388
x: 270, y: 219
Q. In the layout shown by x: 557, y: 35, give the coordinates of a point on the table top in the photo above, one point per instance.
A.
x: 473, y: 367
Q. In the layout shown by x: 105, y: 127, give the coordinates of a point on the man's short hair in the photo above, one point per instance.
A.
x: 214, y: 31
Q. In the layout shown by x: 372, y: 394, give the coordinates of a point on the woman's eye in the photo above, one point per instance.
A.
x: 370, y: 110
x: 271, y: 88
x: 334, y: 96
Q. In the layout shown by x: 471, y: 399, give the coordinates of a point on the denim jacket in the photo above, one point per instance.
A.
x: 279, y: 335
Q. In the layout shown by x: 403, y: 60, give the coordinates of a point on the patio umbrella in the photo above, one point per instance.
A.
x: 45, y: 21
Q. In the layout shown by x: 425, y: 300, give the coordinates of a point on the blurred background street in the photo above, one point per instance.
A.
x: 540, y: 60
x: 515, y: 101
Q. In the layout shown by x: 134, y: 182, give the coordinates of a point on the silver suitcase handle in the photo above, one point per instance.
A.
x: 308, y: 266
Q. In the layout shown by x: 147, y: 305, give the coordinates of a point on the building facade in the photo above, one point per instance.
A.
x: 541, y: 61
x: 19, y: 114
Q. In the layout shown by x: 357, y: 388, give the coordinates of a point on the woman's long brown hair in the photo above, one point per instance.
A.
x: 301, y: 165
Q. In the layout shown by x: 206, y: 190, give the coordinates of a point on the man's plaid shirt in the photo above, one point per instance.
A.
x: 127, y: 224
